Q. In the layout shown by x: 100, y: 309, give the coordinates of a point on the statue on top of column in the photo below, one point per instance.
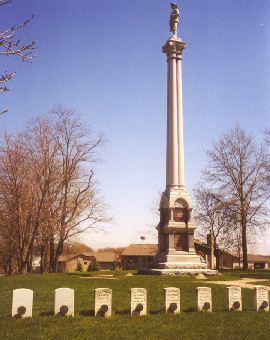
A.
x: 174, y: 19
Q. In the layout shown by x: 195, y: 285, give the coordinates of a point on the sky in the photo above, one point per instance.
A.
x: 104, y: 59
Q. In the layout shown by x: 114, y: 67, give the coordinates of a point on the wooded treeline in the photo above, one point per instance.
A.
x: 47, y: 190
x: 232, y: 201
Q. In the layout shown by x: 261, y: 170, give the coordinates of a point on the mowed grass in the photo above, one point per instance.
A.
x: 221, y: 324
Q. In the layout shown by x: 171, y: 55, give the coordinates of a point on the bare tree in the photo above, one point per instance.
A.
x: 76, y: 247
x: 267, y: 161
x: 77, y: 206
x: 236, y: 170
x: 214, y: 218
x: 17, y: 200
x: 10, y: 45
x: 47, y: 190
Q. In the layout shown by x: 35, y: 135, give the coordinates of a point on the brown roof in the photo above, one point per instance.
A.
x: 103, y: 256
x: 140, y: 250
x: 258, y: 258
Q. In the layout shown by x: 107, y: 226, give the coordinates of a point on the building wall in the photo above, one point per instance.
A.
x: 135, y: 262
x: 107, y: 265
x: 72, y: 265
x: 251, y: 265
x: 225, y: 261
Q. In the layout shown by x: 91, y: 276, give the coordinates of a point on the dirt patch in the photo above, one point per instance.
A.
x: 100, y: 277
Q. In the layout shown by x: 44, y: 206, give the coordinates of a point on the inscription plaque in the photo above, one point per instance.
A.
x: 103, y: 302
x: 204, y: 299
x: 172, y: 300
x: 181, y: 241
x: 261, y: 298
x: 234, y: 298
x: 138, y: 301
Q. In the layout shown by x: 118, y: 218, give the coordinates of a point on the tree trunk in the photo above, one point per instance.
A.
x: 44, y: 251
x: 58, y: 252
x: 244, y: 245
x: 30, y: 264
x: 217, y: 255
x: 51, y: 250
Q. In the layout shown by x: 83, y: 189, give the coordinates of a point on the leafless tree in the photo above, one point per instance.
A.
x: 76, y: 247
x: 10, y: 45
x: 236, y: 171
x: 47, y: 189
x: 17, y: 200
x: 215, y: 219
x: 267, y: 162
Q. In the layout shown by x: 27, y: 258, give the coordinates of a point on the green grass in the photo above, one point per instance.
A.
x: 220, y: 324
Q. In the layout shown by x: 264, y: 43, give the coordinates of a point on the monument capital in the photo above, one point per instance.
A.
x: 174, y: 46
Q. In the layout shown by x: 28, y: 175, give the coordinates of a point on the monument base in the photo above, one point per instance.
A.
x: 177, y: 272
x: 177, y: 263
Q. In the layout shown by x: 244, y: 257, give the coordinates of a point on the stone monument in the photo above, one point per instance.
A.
x: 103, y: 302
x: 261, y: 298
x: 204, y: 299
x: 172, y: 300
x: 138, y: 301
x: 176, y: 254
x: 22, y: 303
x: 234, y: 298
x: 64, y: 302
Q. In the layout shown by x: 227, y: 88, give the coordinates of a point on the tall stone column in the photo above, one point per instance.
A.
x: 175, y: 148
x: 176, y: 253
x: 181, y: 168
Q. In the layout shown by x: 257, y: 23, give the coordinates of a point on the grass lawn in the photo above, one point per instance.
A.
x: 220, y: 324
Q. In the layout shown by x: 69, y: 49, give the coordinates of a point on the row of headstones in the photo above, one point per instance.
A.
x: 22, y: 303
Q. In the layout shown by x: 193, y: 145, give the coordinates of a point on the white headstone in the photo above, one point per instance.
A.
x: 172, y: 300
x: 234, y: 298
x: 64, y: 302
x: 103, y: 302
x: 22, y: 303
x: 138, y: 301
x: 261, y: 298
x: 204, y: 299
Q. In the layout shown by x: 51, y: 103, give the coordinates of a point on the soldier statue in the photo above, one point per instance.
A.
x: 174, y: 19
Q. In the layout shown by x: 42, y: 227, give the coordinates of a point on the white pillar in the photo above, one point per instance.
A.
x: 181, y: 171
x: 172, y: 122
x: 175, y: 144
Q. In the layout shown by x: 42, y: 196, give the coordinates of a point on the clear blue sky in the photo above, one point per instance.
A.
x: 103, y: 58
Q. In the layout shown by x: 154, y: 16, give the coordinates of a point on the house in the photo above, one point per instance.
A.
x: 255, y: 262
x: 108, y: 260
x: 71, y: 262
x: 136, y: 256
x: 226, y: 260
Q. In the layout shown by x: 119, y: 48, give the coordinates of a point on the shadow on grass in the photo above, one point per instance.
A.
x: 122, y: 311
x: 190, y: 310
x: 158, y: 311
x: 46, y: 313
x: 90, y: 312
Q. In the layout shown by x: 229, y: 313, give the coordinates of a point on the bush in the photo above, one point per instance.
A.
x: 93, y: 266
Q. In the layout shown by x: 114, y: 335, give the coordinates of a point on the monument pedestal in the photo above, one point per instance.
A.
x: 176, y: 254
